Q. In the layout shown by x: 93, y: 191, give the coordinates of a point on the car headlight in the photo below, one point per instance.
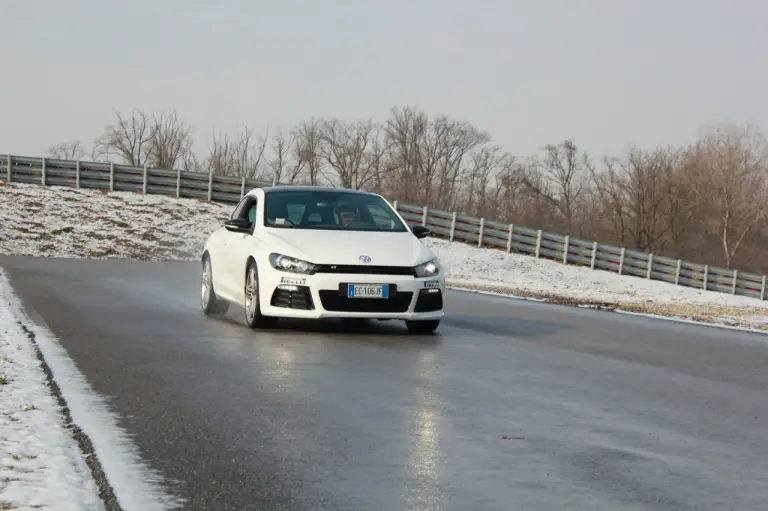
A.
x: 290, y: 264
x: 428, y: 269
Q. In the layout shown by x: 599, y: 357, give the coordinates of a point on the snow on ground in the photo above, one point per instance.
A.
x: 41, y: 466
x: 65, y: 222
x: 476, y: 267
x: 497, y: 272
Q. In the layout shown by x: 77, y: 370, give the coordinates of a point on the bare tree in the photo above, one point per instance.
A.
x: 608, y: 202
x: 161, y: 140
x: 643, y: 185
x: 280, y: 148
x: 307, y: 141
x: 482, y: 184
x: 379, y: 164
x: 67, y: 151
x: 448, y: 144
x: 129, y: 139
x: 428, y: 157
x: 284, y: 171
x: 250, y: 153
x: 566, y: 172
x: 731, y: 184
x: 514, y: 201
x: 404, y: 130
x: 191, y: 162
x: 346, y: 148
x: 220, y: 159
x: 240, y: 156
x: 170, y: 140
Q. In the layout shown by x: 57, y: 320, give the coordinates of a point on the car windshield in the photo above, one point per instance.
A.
x: 330, y: 210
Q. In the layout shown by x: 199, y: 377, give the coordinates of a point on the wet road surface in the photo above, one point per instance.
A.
x: 600, y: 410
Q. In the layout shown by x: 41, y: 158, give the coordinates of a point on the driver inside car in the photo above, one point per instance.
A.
x: 347, y: 213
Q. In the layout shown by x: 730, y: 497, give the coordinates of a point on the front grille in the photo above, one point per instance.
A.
x: 336, y: 302
x: 297, y: 298
x: 365, y: 269
x: 429, y: 300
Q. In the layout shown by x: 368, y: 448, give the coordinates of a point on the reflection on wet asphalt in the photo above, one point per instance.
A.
x: 601, y: 411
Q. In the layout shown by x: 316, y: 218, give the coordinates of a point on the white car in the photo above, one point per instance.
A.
x: 314, y: 252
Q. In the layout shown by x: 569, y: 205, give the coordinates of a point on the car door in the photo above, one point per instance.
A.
x: 215, y: 246
x: 220, y: 249
x: 238, y: 247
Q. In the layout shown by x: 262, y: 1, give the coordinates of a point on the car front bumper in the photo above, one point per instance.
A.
x: 324, y: 296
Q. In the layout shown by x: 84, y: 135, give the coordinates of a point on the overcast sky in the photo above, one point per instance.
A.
x: 603, y: 72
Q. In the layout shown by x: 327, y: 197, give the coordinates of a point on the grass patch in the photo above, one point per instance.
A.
x: 119, y: 223
x: 63, y: 230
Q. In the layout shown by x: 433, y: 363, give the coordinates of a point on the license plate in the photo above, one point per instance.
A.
x: 368, y: 291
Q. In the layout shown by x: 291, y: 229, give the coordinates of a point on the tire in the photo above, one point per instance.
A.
x: 253, y: 315
x: 422, y: 326
x: 210, y: 303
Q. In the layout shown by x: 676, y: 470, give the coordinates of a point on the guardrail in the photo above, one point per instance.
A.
x: 455, y: 227
x: 124, y: 178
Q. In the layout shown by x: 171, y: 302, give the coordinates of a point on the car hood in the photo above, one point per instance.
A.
x: 346, y: 247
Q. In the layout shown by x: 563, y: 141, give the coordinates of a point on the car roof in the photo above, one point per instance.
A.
x: 290, y: 188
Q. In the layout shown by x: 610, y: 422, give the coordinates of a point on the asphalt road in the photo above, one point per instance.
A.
x: 605, y: 411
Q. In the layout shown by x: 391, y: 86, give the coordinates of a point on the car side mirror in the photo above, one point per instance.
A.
x: 238, y: 225
x: 420, y: 231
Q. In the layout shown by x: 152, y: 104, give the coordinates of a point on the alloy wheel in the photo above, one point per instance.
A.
x: 206, y: 283
x: 251, y: 293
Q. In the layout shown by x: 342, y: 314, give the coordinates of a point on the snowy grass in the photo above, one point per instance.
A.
x: 41, y: 465
x: 64, y: 222
x: 497, y: 272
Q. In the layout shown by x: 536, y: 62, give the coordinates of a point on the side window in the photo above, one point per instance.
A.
x: 238, y: 211
x: 252, y: 213
x: 246, y: 209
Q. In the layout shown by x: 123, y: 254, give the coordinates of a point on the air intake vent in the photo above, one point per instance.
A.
x: 365, y: 269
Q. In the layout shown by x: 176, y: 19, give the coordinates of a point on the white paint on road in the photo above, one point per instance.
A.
x: 40, y: 462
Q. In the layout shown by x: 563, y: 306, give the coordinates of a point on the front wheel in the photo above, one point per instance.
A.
x: 210, y: 303
x: 422, y: 326
x: 253, y: 316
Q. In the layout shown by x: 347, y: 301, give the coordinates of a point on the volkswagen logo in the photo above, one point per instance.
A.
x: 365, y: 258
